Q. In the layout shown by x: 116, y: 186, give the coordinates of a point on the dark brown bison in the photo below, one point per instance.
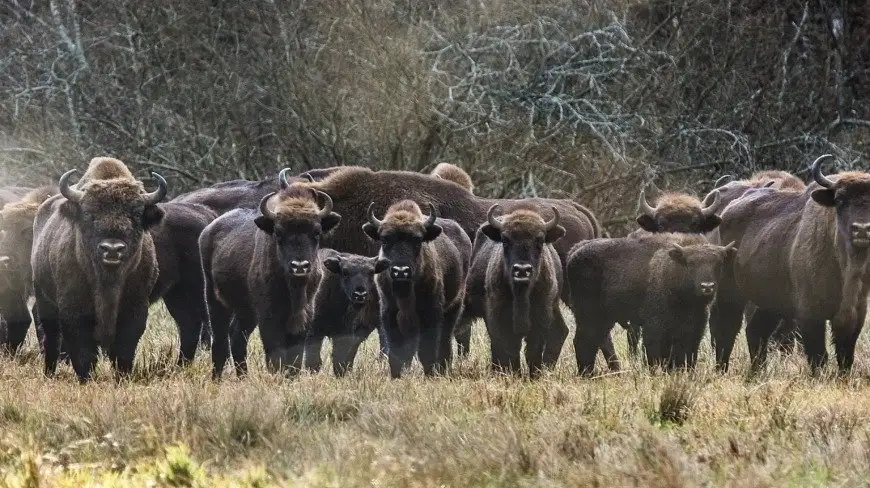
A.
x: 346, y: 308
x: 682, y: 285
x: 262, y: 267
x: 451, y: 172
x: 678, y: 212
x: 16, y: 275
x: 422, y: 294
x: 801, y: 255
x: 523, y: 283
x: 94, y: 265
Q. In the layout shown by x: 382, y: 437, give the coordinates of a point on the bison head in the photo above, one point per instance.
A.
x: 356, y: 274
x: 849, y: 194
x: 402, y: 234
x: 676, y: 212
x: 111, y: 210
x: 522, y: 234
x: 701, y: 267
x: 296, y: 223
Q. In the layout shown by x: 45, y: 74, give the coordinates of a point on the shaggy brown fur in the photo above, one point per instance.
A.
x: 801, y: 256
x: 78, y: 293
x: 676, y: 212
x: 263, y: 268
x: 12, y: 193
x: 782, y: 180
x: 455, y: 174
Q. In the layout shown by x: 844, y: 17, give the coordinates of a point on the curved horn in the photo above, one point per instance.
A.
x: 816, y: 170
x: 723, y: 180
x: 264, y: 208
x: 490, y: 217
x: 282, y: 178
x: 645, y: 207
x: 710, y: 209
x: 308, y: 176
x: 433, y: 214
x: 157, y: 195
x: 730, y: 246
x: 552, y: 223
x: 327, y: 204
x: 69, y: 193
x: 372, y: 219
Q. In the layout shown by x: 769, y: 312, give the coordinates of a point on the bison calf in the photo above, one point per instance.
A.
x: 346, y: 308
x: 422, y: 294
x: 523, y: 283
x: 682, y: 285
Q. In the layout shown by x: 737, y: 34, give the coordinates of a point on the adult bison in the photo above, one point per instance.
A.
x: 801, y: 255
x: 523, y: 283
x: 94, y: 265
x: 16, y: 275
x: 262, y: 268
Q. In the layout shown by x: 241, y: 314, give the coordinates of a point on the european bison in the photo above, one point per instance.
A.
x: 523, y: 282
x: 678, y: 212
x: 801, y: 255
x: 455, y: 174
x: 16, y: 275
x: 94, y: 265
x: 682, y: 284
x: 346, y: 308
x: 263, y: 268
x: 422, y: 293
x: 12, y: 193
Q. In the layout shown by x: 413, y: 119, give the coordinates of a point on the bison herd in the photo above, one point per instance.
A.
x: 341, y: 252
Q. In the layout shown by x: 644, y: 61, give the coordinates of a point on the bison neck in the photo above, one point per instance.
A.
x: 854, y: 291
x: 298, y: 304
x: 522, y: 307
x: 404, y: 293
x: 107, y: 286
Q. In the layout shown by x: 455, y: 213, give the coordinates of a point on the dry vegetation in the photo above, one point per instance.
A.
x: 472, y: 429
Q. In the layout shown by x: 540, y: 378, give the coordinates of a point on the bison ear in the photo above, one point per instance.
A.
x: 330, y: 221
x: 265, y: 224
x: 710, y: 223
x: 371, y: 231
x: 332, y: 264
x: 824, y: 197
x: 70, y: 210
x: 646, y: 223
x: 491, y: 232
x: 554, y: 234
x: 432, y: 232
x: 676, y: 253
x: 382, y: 265
x: 151, y: 216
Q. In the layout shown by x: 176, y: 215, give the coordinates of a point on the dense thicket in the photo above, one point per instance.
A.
x: 589, y: 99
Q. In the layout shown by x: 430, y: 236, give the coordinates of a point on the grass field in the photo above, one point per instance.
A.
x: 176, y: 428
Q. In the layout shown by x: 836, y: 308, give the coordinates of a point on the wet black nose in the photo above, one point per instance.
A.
x: 112, y: 250
x: 400, y: 273
x: 861, y: 234
x: 359, y: 296
x: 300, y: 268
x: 707, y: 288
x: 521, y: 272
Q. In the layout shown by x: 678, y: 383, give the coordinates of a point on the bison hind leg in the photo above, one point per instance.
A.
x: 758, y: 332
x: 49, y: 322
x: 813, y: 337
x: 184, y: 310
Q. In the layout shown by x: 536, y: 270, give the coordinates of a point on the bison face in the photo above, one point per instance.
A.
x: 701, y: 267
x: 402, y: 240
x: 522, y: 235
x: 680, y: 213
x: 849, y: 195
x: 356, y: 275
x: 16, y: 241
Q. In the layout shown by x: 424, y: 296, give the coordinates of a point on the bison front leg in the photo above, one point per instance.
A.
x: 49, y: 321
x: 534, y: 354
x: 813, y: 337
x: 845, y: 337
x: 241, y: 327
x: 432, y: 329
x: 400, y: 348
x: 284, y: 351
x: 78, y: 332
x: 313, y: 351
x: 131, y: 326
x: 445, y: 338
x: 758, y: 332
x: 184, y: 309
x: 344, y: 349
x: 726, y: 319
x: 557, y: 333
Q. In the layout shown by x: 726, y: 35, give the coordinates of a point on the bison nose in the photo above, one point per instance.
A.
x: 861, y: 234
x: 359, y: 296
x: 707, y: 288
x: 300, y: 268
x: 112, y: 250
x: 521, y: 272
x: 400, y: 273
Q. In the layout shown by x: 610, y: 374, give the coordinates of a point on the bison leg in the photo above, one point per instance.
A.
x: 845, y: 336
x: 184, y: 309
x: 534, y: 355
x: 78, y: 332
x: 344, y: 349
x: 131, y: 326
x: 50, y: 324
x: 785, y: 335
x: 219, y: 321
x: 813, y: 337
x: 313, y: 351
x: 431, y: 328
x: 726, y: 318
x: 557, y: 332
x: 758, y: 332
x: 588, y: 339
x: 505, y: 348
x: 632, y: 334
x: 609, y: 353
x: 241, y: 327
x: 445, y: 338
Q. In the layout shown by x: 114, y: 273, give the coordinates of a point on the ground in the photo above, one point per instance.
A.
x: 168, y: 427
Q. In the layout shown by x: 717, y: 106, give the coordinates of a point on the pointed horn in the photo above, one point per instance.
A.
x: 433, y: 214
x: 372, y: 219
x: 645, y: 207
x: 710, y: 209
x: 552, y: 223
x: 816, y: 170
x: 157, y: 195
x: 723, y: 180
x: 730, y: 246
x: 308, y: 176
x: 68, y: 192
x: 490, y: 217
x: 282, y: 178
x: 264, y: 207
x: 327, y: 203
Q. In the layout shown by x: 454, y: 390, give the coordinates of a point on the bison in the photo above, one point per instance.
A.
x: 94, y: 265
x: 262, y: 267
x: 678, y: 212
x: 523, y: 283
x: 451, y: 172
x: 422, y: 294
x: 801, y: 255
x: 682, y: 285
x: 346, y: 308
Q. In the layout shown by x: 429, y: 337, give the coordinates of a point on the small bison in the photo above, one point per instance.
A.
x: 94, y: 265
x: 682, y: 284
x: 523, y: 283
x: 678, y: 212
x: 346, y: 308
x: 263, y: 268
x: 451, y: 172
x: 422, y: 294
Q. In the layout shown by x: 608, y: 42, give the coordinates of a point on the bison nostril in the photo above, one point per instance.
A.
x: 400, y: 272
x: 113, y: 250
x: 300, y: 267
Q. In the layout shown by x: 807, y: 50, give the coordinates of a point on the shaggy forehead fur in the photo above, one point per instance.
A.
x: 851, y: 178
x: 109, y: 180
x: 294, y: 202
x: 406, y: 212
x: 784, y: 180
x: 18, y: 212
x: 677, y: 202
x: 455, y: 174
x: 523, y: 221
x: 103, y: 168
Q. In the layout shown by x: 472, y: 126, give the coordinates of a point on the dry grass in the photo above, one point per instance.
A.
x: 177, y: 428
